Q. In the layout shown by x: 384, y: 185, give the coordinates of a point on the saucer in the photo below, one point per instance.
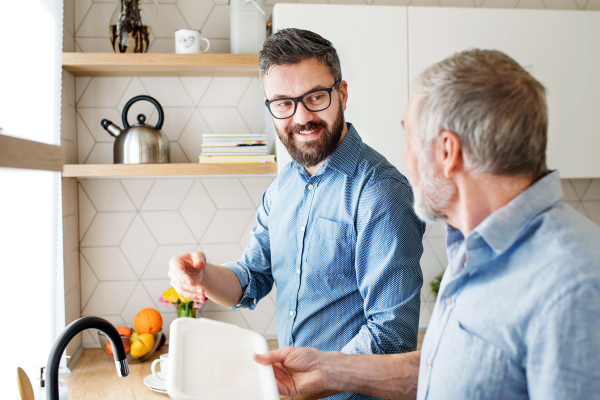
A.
x: 158, y: 391
x: 155, y: 384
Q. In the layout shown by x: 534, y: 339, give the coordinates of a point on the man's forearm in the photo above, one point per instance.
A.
x: 221, y: 285
x: 392, y: 376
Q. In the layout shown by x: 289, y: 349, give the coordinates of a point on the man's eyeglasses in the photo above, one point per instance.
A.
x: 316, y: 100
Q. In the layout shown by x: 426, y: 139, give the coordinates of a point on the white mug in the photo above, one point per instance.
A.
x: 164, y: 367
x: 187, y: 41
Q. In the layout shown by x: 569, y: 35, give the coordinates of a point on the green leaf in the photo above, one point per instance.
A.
x: 435, y: 284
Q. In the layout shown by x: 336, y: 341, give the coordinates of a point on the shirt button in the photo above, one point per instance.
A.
x: 291, y: 313
x: 254, y: 301
x: 429, y: 361
x: 310, y: 187
x: 238, y: 305
x: 302, y: 229
x: 298, y: 271
x: 448, y: 300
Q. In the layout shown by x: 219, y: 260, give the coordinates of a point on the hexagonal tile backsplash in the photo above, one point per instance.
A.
x: 192, y: 107
x: 130, y: 228
x: 126, y: 243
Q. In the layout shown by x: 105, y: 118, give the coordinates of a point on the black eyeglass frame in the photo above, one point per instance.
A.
x: 300, y: 99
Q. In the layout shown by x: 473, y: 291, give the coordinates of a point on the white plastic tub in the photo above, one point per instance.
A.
x: 211, y: 360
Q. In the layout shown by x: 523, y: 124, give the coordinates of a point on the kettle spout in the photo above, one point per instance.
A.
x: 111, y: 128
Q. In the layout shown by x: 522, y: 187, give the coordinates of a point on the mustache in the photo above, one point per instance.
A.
x: 310, y: 126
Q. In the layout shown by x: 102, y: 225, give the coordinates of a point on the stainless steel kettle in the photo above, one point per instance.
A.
x: 140, y: 143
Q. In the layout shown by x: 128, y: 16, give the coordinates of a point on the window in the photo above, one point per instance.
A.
x: 30, y: 204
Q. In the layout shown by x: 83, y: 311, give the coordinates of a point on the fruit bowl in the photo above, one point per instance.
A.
x: 104, y: 342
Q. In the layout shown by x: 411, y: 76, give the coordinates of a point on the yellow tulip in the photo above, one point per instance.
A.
x: 171, y: 295
x: 184, y: 300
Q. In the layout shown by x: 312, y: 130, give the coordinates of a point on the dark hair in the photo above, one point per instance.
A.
x: 292, y: 46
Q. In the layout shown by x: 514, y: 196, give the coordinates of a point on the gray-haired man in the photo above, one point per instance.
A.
x: 518, y: 311
x: 336, y: 232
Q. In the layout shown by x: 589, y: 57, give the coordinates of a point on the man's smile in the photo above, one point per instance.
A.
x: 308, y: 134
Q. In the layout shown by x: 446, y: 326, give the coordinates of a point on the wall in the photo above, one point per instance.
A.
x: 69, y: 187
x: 128, y: 229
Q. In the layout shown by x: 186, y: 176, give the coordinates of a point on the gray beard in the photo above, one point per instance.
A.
x: 434, y: 194
x: 309, y: 154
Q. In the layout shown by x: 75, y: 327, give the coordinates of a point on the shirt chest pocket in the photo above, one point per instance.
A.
x: 472, y: 367
x: 329, y: 249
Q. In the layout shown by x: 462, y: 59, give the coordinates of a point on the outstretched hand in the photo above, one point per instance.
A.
x: 186, y: 272
x: 298, y: 370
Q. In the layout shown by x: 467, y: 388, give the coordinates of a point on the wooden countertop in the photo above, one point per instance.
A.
x: 95, y: 378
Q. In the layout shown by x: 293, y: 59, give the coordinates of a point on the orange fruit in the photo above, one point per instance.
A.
x: 124, y: 331
x: 148, y: 321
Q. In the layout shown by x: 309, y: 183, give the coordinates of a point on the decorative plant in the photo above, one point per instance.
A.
x: 435, y: 284
x: 185, y: 307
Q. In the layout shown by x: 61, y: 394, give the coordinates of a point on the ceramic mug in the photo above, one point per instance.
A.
x: 164, y: 367
x: 187, y: 41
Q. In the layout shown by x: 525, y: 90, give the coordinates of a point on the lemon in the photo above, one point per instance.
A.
x: 138, y: 349
x: 142, y: 345
x: 148, y: 339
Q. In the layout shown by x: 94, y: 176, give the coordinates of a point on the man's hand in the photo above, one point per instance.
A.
x: 298, y: 370
x: 186, y: 273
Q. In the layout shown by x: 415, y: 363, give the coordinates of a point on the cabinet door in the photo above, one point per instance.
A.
x: 560, y: 48
x: 372, y: 45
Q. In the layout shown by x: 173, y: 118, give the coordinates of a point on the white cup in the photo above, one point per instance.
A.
x: 187, y: 41
x: 164, y: 367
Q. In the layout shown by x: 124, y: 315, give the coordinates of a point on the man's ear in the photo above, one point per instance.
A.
x: 449, y: 153
x: 343, y: 86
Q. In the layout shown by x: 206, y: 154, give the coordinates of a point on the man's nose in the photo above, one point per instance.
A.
x: 302, y: 116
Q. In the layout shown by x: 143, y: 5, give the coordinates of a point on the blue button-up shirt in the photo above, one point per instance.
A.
x: 343, y: 247
x: 518, y: 314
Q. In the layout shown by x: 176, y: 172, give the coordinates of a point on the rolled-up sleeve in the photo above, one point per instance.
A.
x: 388, y: 252
x: 253, y: 268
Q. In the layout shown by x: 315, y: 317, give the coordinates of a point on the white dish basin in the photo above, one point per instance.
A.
x: 212, y: 360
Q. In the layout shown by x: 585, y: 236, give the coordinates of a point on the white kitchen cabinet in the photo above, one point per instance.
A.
x: 384, y: 49
x: 560, y: 48
x: 372, y: 46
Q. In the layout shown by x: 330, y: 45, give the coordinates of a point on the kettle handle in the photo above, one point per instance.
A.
x: 161, y: 114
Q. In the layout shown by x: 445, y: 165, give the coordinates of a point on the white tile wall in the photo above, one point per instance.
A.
x: 128, y: 229
x: 125, y: 254
x: 208, y: 105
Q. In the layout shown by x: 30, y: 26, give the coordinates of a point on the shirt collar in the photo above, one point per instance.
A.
x: 345, y: 156
x: 502, y: 228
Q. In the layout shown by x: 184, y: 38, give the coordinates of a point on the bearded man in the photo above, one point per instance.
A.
x: 336, y: 231
x: 518, y: 310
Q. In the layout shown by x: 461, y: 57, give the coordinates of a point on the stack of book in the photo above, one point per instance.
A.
x: 234, y: 149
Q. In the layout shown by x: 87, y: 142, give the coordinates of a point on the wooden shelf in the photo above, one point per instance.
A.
x: 154, y: 64
x: 111, y: 170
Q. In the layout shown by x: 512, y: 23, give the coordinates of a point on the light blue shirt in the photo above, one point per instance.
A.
x: 518, y: 314
x: 343, y: 248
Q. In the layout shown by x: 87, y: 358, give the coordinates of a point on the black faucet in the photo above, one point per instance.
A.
x: 69, y: 333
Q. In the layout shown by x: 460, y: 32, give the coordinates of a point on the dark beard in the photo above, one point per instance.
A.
x: 309, y: 154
